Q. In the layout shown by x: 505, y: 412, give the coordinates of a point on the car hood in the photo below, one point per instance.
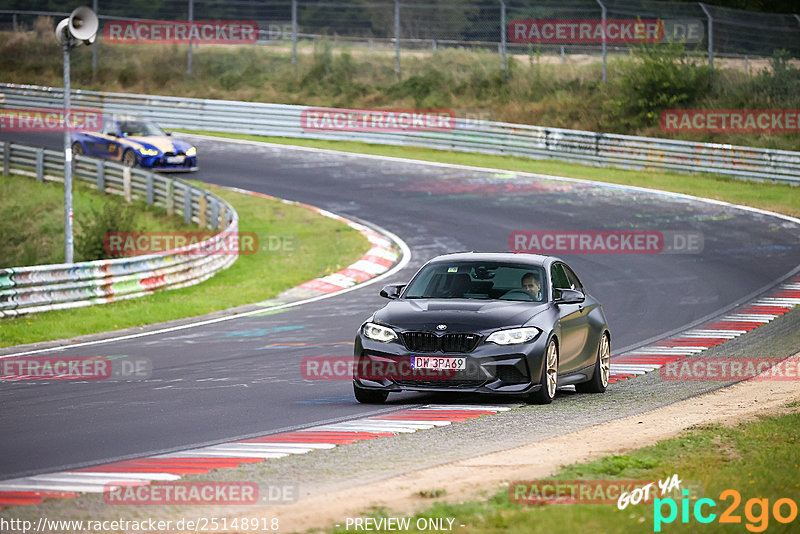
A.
x: 162, y: 143
x: 460, y: 315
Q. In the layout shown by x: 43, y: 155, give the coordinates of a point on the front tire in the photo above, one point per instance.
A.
x: 129, y: 158
x: 549, y: 379
x: 369, y: 396
x: 602, y: 369
x: 77, y: 149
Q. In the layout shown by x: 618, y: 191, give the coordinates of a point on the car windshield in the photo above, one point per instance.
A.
x: 138, y: 128
x: 478, y: 280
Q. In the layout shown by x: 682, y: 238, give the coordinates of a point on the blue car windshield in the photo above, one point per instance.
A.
x: 139, y: 128
x: 478, y: 280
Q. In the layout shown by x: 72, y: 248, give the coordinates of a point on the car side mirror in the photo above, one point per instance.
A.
x: 569, y: 296
x: 392, y: 291
x: 168, y: 133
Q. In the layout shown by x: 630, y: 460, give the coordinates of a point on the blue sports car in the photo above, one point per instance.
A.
x: 135, y: 141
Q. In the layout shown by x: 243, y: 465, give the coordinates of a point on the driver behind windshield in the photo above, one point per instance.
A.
x: 533, y: 285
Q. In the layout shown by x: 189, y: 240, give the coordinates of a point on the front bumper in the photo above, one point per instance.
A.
x: 490, y: 368
x: 160, y: 164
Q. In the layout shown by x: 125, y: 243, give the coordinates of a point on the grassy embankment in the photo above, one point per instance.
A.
x: 759, y: 460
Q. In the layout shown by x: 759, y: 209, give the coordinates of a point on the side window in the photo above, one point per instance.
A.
x: 573, y: 279
x: 109, y: 128
x: 560, y: 280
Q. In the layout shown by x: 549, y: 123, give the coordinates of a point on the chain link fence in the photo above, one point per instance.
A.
x: 507, y: 26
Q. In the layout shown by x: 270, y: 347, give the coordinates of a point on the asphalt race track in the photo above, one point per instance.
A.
x: 242, y: 377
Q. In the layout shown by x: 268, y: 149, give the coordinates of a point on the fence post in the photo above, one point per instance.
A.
x: 40, y: 165
x: 214, y: 213
x: 294, y: 32
x: 189, y: 57
x: 503, y: 31
x: 101, y: 176
x: 6, y: 157
x: 14, y: 22
x: 94, y: 47
x: 710, y: 37
x: 187, y: 204
x: 397, y: 36
x: 603, y: 22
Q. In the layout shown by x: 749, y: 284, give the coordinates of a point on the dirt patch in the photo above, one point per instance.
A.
x: 477, y: 477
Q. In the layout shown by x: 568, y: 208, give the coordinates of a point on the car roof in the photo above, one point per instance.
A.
x: 511, y: 257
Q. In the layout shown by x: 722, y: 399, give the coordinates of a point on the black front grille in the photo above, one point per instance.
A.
x: 430, y: 342
x: 441, y: 384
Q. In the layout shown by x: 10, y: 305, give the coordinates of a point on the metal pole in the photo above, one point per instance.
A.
x: 67, y: 162
x: 397, y: 36
x: 189, y: 58
x: 603, y: 19
x: 503, y: 34
x: 14, y: 22
x: 294, y: 32
x: 94, y: 47
x: 710, y: 37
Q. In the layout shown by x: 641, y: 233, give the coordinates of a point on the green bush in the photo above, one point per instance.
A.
x: 656, y: 78
x: 92, y: 227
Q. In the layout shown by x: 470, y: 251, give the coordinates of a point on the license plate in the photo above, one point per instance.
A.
x: 175, y: 159
x: 436, y: 362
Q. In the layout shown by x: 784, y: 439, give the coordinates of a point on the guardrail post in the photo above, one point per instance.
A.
x: 126, y: 184
x: 214, y: 214
x: 170, y: 200
x: 202, y: 204
x: 101, y: 176
x: 6, y: 157
x: 40, y: 165
x: 223, y: 217
x: 149, y: 189
x: 187, y: 204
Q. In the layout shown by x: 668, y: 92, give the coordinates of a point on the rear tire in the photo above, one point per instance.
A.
x: 369, y: 396
x: 549, y: 378
x: 602, y: 369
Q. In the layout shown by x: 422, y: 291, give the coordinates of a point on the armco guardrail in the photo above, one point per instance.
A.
x: 53, y: 287
x: 488, y: 137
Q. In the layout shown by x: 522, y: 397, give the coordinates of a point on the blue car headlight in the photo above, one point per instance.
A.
x: 191, y: 152
x: 380, y: 333
x: 513, y: 336
x: 148, y: 152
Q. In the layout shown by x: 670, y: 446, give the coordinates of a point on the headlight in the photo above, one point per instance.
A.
x: 377, y: 332
x: 148, y: 152
x: 191, y: 152
x: 514, y: 336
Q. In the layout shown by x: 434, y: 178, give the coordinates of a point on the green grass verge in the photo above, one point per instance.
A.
x: 320, y: 246
x: 32, y: 219
x: 757, y: 459
x: 781, y: 198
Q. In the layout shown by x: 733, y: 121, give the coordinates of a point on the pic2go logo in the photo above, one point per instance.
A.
x: 756, y: 511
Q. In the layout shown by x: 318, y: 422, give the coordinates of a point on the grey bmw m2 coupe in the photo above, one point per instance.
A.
x: 503, y: 323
